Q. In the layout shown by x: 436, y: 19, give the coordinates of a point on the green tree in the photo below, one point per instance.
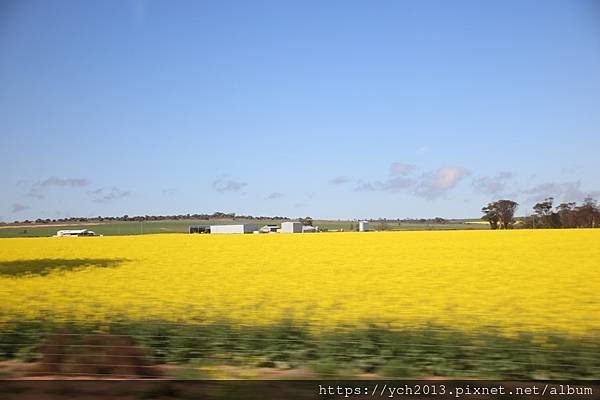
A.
x: 543, y: 210
x: 490, y: 214
x: 506, y: 212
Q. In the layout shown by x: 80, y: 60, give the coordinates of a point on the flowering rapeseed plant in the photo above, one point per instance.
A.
x: 513, y: 281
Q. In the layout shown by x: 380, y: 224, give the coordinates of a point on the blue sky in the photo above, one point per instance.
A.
x: 337, y: 109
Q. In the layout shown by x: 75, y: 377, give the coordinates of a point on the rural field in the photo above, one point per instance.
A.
x: 516, y: 303
x: 114, y: 228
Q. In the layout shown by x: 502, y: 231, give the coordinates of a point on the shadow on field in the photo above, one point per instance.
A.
x: 43, y: 266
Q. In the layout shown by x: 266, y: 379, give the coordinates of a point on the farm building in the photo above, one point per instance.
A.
x: 291, y: 227
x: 199, y: 229
x: 269, y: 229
x: 310, y: 229
x: 75, y: 232
x: 237, y: 228
x: 363, y: 226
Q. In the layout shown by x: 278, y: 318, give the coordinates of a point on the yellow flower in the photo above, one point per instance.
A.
x: 542, y: 281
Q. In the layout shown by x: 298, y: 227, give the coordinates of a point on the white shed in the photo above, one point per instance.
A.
x: 291, y: 227
x: 75, y: 232
x: 363, y: 226
x: 237, y: 228
x: 269, y: 229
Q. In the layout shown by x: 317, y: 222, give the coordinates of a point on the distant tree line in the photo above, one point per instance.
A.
x: 436, y: 220
x: 385, y: 224
x: 140, y: 218
x: 500, y: 215
x: 564, y: 215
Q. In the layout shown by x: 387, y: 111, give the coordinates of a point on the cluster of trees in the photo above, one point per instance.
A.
x: 139, y: 218
x: 500, y: 215
x: 564, y: 215
x: 307, y: 221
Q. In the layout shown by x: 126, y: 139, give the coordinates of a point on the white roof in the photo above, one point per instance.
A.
x: 247, y: 224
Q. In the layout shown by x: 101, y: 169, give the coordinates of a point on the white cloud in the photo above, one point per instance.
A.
x: 566, y: 191
x: 492, y: 184
x: 430, y: 185
x: 107, y: 195
x: 399, y: 168
x: 274, y: 195
x: 38, y: 188
x: 339, y: 180
x: 390, y: 185
x: 438, y: 183
x: 18, y: 208
x: 422, y: 150
x: 223, y: 185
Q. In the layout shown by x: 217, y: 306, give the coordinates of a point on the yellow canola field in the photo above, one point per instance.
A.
x: 522, y: 280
